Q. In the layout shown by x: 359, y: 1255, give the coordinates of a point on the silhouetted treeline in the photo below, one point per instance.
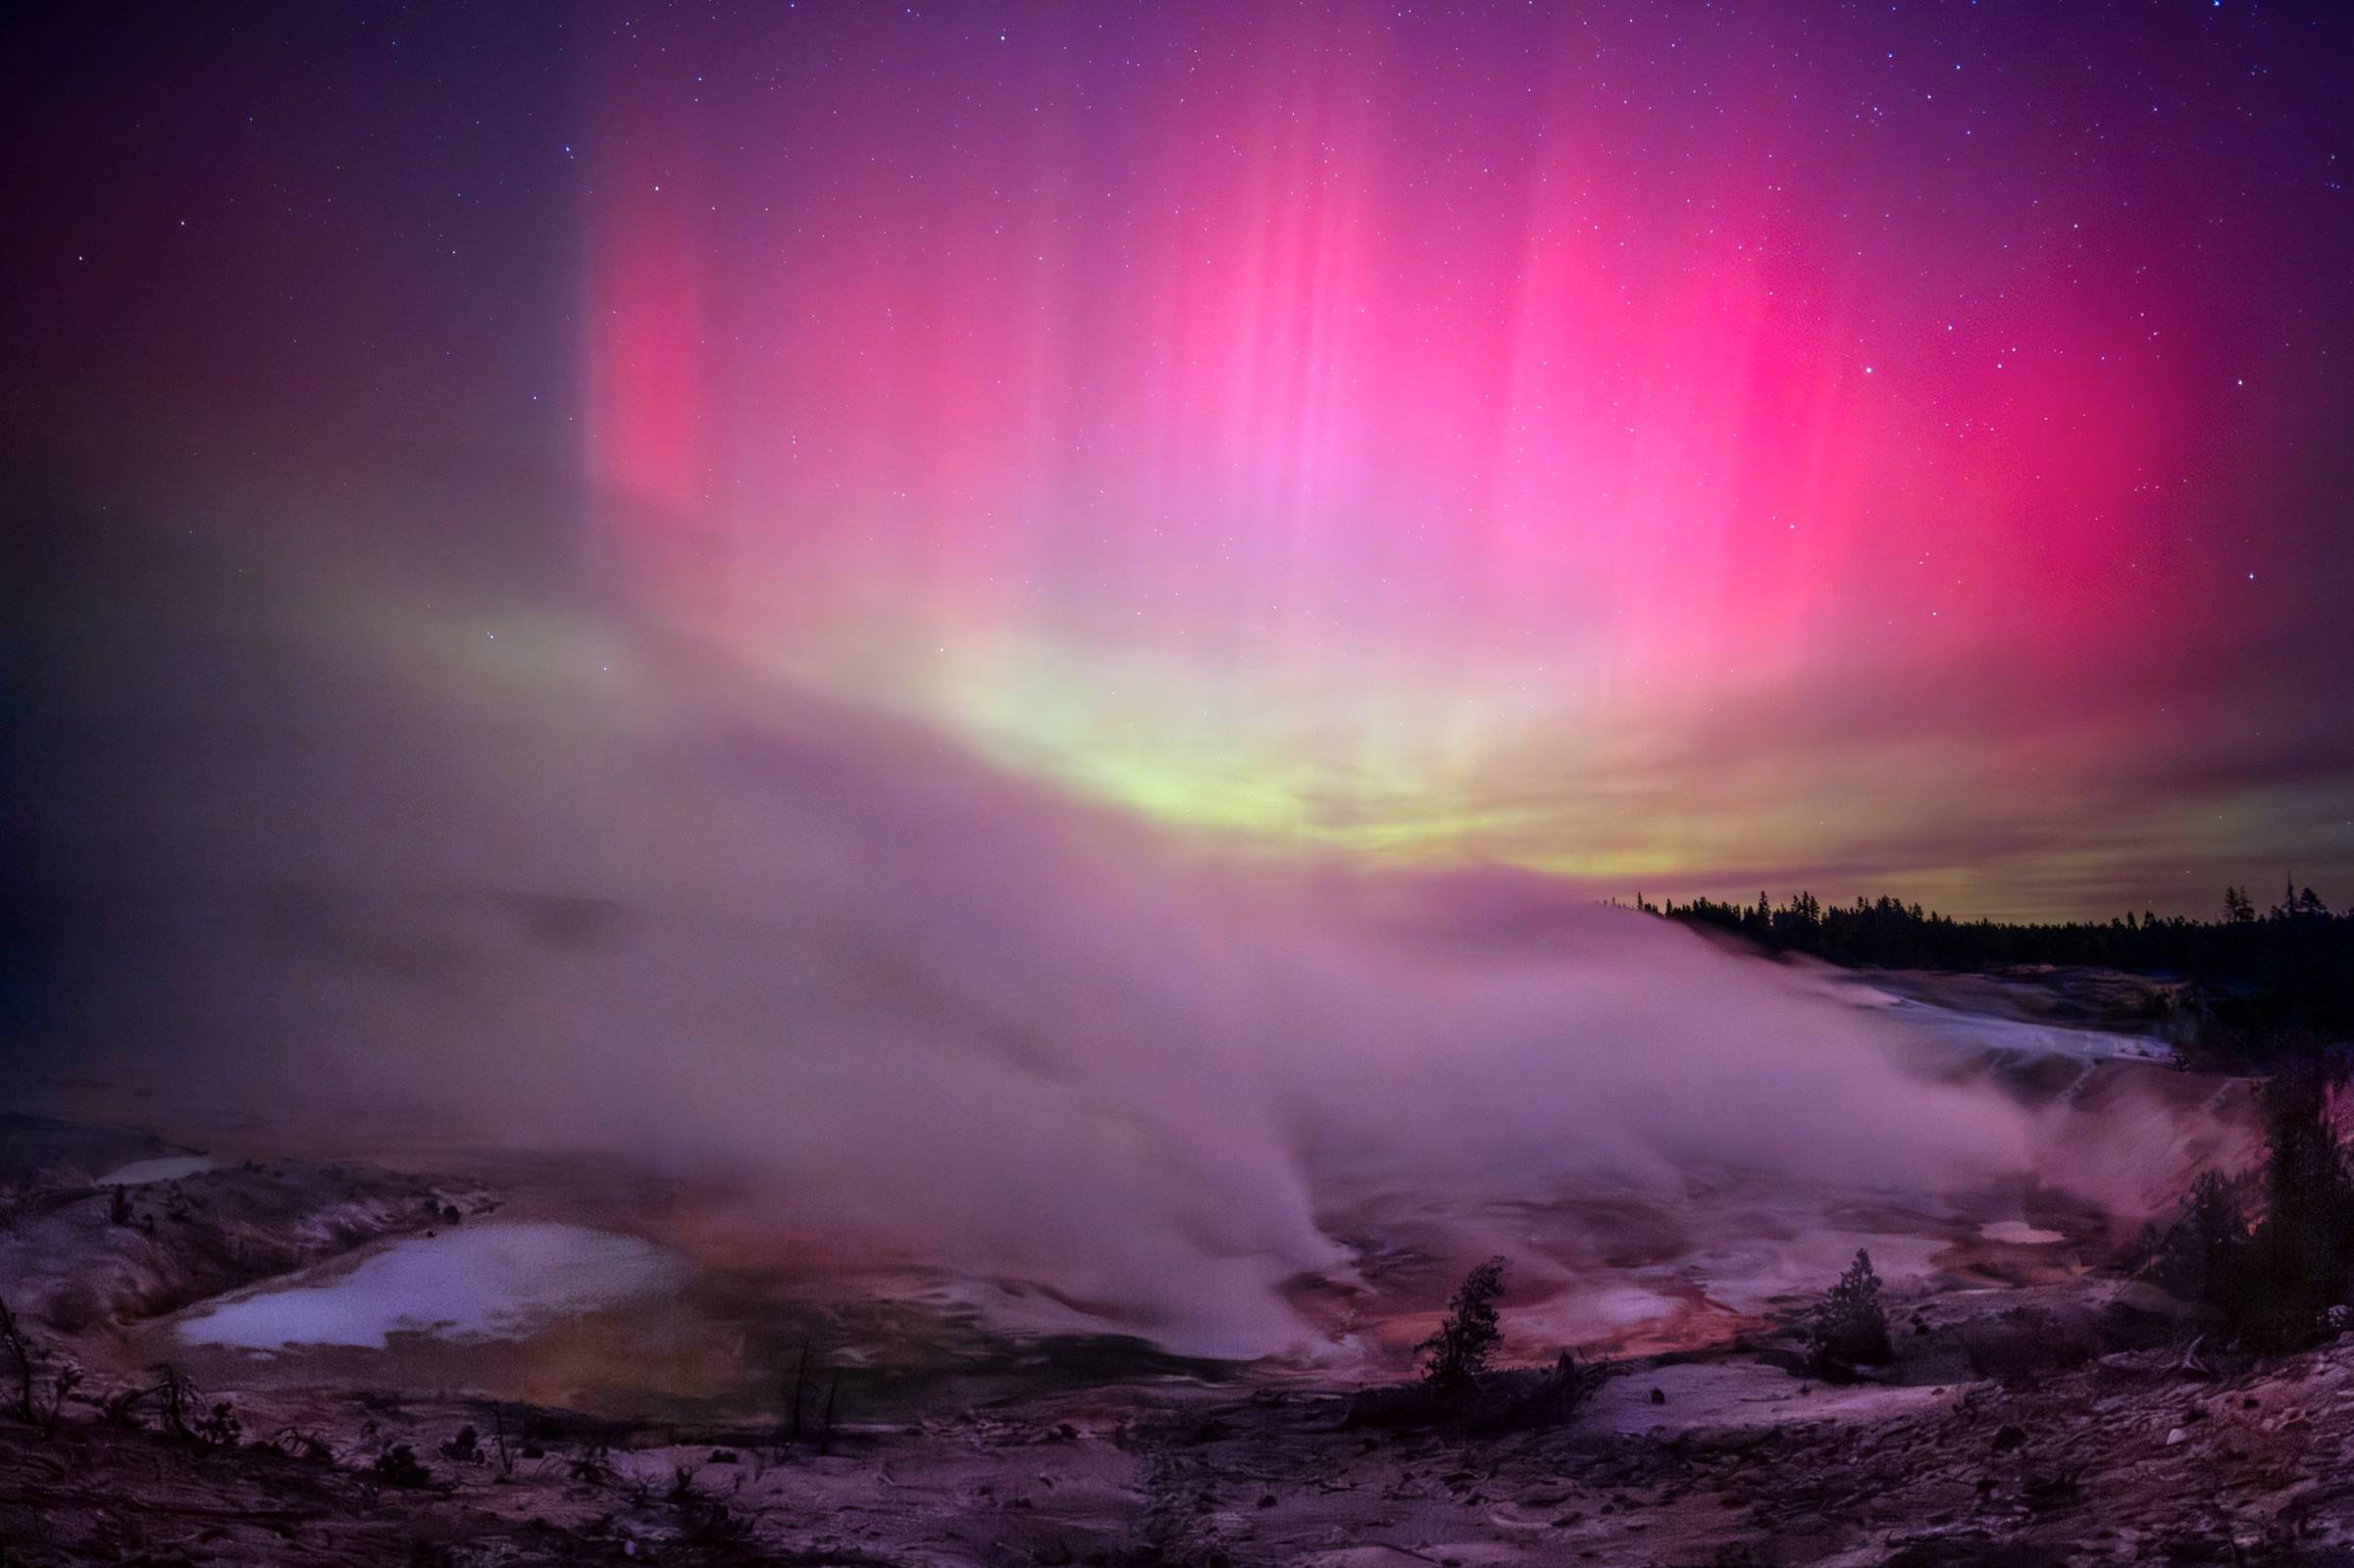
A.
x: 2263, y: 977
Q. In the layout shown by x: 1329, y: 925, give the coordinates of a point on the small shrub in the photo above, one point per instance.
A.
x: 179, y: 1401
x: 503, y: 1449
x: 122, y: 1407
x: 29, y: 1356
x: 1850, y: 1328
x: 1518, y: 1400
x: 1559, y: 1393
x: 705, y: 1521
x: 1467, y: 1336
x: 297, y: 1443
x: 23, y: 1355
x: 67, y: 1379
x: 398, y: 1466
x: 218, y: 1427
x: 592, y: 1466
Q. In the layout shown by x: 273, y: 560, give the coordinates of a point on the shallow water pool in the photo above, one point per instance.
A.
x: 167, y: 1168
x: 497, y: 1280
x: 2018, y: 1232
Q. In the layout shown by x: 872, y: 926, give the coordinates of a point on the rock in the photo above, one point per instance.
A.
x: 2009, y: 1438
x: 2176, y: 1435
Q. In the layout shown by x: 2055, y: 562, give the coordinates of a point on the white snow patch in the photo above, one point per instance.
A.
x: 1981, y: 1032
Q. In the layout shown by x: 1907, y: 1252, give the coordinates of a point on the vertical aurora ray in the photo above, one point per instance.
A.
x: 1592, y: 446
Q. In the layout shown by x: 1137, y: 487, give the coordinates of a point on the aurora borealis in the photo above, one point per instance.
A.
x: 1688, y: 447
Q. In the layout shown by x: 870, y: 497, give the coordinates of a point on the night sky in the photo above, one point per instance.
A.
x: 1683, y: 447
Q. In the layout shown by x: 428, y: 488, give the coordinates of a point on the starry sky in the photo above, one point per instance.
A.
x: 1685, y: 448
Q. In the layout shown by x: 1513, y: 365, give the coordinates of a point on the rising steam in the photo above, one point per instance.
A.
x: 570, y: 889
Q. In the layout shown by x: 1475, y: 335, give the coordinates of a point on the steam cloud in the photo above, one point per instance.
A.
x: 559, y: 884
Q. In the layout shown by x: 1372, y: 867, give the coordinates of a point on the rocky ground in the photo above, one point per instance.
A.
x: 2125, y: 1460
x: 2019, y: 1426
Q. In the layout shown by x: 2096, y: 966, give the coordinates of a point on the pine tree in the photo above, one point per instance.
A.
x: 1467, y: 1336
x: 1851, y: 1328
x: 2204, y: 1253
